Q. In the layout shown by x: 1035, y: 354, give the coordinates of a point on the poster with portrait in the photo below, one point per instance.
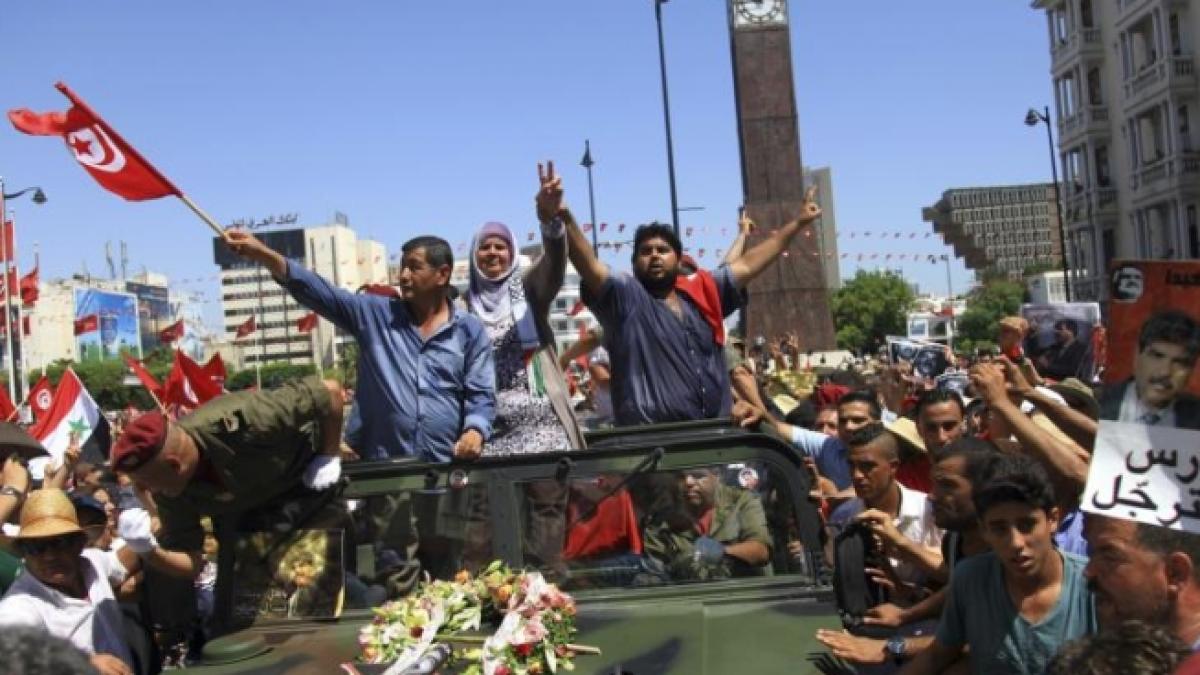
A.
x: 928, y: 359
x: 297, y: 575
x: 1152, y: 296
x: 106, y: 323
x: 1059, y: 341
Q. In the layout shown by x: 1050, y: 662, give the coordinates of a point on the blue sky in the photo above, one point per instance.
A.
x: 418, y: 117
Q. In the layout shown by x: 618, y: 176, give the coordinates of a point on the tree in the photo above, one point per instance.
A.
x: 869, y: 307
x: 273, y: 375
x: 979, y: 325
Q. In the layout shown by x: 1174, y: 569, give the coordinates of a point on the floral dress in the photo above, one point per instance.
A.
x: 525, y: 421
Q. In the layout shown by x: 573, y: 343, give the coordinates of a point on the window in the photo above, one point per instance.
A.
x: 1095, y: 94
x: 1086, y: 18
x: 1173, y: 32
x: 1109, y: 245
x: 1103, y: 179
x: 1185, y: 128
x: 621, y: 530
x: 1193, y: 229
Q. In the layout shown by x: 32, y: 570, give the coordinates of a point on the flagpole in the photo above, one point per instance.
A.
x: 20, y: 329
x: 8, y: 341
x: 258, y: 331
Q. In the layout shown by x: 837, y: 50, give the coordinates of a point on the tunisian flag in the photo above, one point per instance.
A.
x: 188, y: 385
x: 98, y: 147
x: 171, y: 333
x: 307, y: 322
x: 215, y: 369
x: 29, y: 288
x: 247, y: 327
x: 87, y: 324
x: 40, y: 398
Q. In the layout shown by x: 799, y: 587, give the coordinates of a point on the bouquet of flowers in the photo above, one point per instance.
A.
x: 536, y: 624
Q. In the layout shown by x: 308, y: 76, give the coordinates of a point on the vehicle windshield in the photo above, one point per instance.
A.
x: 585, y: 529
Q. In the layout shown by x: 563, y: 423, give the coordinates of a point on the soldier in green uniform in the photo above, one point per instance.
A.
x: 232, y: 454
x: 719, y: 532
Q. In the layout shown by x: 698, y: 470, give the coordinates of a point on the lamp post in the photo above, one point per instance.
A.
x: 662, y: 67
x: 587, y: 163
x: 38, y: 197
x: 1032, y: 118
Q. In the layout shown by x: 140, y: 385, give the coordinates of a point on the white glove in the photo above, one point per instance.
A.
x: 134, y: 527
x: 322, y: 472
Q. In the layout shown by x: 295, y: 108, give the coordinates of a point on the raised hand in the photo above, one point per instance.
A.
x: 745, y: 225
x: 810, y: 210
x: 550, y: 193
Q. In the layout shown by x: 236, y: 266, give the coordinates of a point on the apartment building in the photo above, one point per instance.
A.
x: 1127, y: 116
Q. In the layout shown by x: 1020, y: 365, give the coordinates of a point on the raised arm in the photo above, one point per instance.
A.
x: 592, y: 272
x: 545, y: 278
x: 738, y: 247
x: 753, y: 262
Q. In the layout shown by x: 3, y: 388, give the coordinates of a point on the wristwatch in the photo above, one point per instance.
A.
x: 10, y: 491
x: 895, y: 647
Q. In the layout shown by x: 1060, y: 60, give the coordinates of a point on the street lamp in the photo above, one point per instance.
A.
x: 662, y: 66
x: 1032, y: 118
x: 39, y: 197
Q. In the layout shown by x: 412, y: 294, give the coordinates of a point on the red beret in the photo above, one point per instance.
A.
x: 140, y: 442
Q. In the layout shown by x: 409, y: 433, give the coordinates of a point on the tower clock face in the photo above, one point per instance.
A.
x: 750, y: 13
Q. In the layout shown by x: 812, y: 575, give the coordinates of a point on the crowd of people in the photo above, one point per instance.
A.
x: 969, y: 500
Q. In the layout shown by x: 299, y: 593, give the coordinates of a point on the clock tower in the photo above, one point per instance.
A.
x: 791, y: 295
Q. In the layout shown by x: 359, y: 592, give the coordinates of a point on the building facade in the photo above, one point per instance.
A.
x: 1004, y: 230
x: 247, y: 290
x: 1127, y: 116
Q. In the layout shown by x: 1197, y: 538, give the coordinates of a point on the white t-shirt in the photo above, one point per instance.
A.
x: 92, y: 624
x: 914, y: 521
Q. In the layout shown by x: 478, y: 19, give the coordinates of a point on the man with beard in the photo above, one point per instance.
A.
x: 1016, y: 605
x: 1168, y: 347
x: 1144, y: 572
x: 959, y: 467
x: 664, y: 332
x: 1065, y: 357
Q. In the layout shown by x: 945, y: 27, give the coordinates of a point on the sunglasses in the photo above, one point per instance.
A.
x: 42, y: 546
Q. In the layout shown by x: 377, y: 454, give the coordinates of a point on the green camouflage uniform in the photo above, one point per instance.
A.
x: 257, y: 443
x: 738, y: 517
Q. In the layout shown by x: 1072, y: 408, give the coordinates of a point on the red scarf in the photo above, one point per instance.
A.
x: 701, y: 289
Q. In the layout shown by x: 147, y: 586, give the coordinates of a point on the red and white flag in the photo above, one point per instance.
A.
x: 577, y: 308
x: 73, y: 415
x: 215, y: 369
x: 87, y: 324
x: 307, y: 322
x: 40, y: 398
x: 99, y: 148
x: 29, y: 288
x: 188, y: 385
x: 171, y: 333
x: 148, y: 381
x: 247, y: 327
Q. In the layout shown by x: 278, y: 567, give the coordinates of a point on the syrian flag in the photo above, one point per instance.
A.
x: 73, y: 413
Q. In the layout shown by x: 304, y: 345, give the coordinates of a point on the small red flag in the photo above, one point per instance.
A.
x: 8, y: 411
x: 621, y: 227
x: 171, y: 333
x: 87, y: 324
x: 40, y: 397
x: 9, y: 246
x: 215, y: 369
x: 99, y: 148
x: 152, y: 385
x: 248, y: 327
x: 13, y: 284
x: 603, y: 226
x: 29, y: 288
x: 379, y: 289
x: 577, y: 308
x: 307, y: 322
x: 188, y: 385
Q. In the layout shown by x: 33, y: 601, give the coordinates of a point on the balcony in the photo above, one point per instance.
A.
x: 1092, y: 119
x: 1181, y: 172
x: 1176, y: 72
x: 1081, y: 42
x: 1086, y: 205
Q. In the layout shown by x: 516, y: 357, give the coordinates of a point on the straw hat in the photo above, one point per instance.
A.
x: 48, y: 513
x: 905, y: 430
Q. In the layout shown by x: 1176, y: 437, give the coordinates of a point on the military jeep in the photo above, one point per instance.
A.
x: 587, y: 519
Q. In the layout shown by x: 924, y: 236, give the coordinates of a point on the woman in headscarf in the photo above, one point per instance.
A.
x: 533, y: 407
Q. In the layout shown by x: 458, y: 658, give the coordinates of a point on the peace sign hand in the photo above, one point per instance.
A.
x: 810, y: 210
x: 550, y: 195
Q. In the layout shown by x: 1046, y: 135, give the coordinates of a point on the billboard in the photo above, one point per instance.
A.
x: 154, y: 312
x: 105, y: 323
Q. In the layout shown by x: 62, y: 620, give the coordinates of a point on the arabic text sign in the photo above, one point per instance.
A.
x: 1147, y: 474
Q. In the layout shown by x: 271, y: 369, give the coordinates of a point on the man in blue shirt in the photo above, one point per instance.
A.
x: 1017, y: 605
x: 426, y: 380
x: 666, y: 346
